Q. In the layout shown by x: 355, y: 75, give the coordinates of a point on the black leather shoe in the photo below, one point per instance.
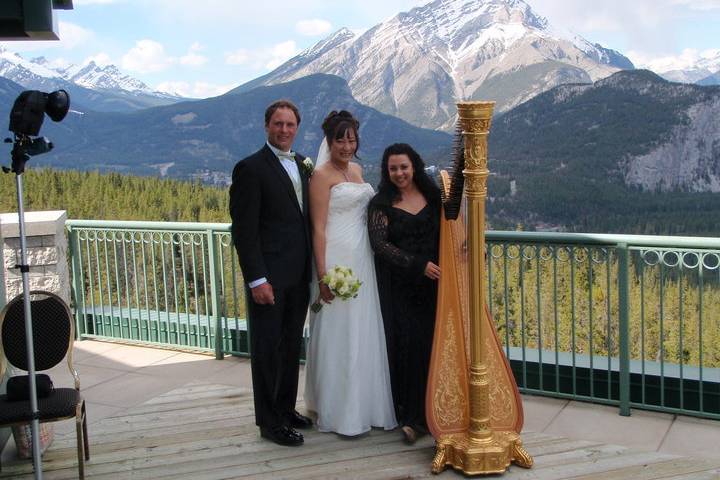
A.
x: 282, y: 435
x: 296, y: 420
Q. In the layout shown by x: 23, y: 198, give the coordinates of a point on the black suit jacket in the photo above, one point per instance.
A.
x: 270, y: 232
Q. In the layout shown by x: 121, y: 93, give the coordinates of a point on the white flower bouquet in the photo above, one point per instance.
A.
x: 342, y: 283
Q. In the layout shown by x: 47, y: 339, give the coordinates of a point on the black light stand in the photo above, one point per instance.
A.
x: 19, y: 157
x: 25, y: 120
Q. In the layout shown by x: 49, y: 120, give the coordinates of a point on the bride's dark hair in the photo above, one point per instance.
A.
x: 337, y: 124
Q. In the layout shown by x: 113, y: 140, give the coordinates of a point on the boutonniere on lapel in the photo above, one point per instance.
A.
x: 308, y: 166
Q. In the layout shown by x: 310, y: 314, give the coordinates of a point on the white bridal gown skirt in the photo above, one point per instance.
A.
x: 347, y: 381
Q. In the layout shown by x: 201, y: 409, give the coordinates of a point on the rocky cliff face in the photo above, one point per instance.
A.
x: 630, y: 153
x: 688, y: 160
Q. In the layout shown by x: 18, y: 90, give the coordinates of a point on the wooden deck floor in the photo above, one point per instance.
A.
x: 205, y: 432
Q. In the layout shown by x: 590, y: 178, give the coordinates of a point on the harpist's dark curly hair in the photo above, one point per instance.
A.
x: 337, y: 124
x: 388, y: 193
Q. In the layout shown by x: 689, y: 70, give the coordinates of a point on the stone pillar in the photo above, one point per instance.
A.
x: 46, y: 254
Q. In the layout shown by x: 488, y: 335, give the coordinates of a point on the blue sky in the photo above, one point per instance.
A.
x: 203, y: 48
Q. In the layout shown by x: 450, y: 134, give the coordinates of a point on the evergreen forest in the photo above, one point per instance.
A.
x: 112, y: 196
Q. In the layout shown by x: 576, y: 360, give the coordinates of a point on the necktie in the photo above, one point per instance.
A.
x: 293, y: 173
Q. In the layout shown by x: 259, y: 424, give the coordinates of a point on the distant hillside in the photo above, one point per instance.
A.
x: 631, y: 153
x: 96, y: 196
x: 205, y: 138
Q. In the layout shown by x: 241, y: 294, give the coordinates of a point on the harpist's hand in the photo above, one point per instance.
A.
x: 263, y: 294
x: 325, y: 294
x: 432, y: 271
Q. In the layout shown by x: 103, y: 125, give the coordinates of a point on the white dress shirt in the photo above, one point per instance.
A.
x: 288, y: 164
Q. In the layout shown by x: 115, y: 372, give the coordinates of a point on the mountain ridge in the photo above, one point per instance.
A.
x: 417, y: 64
x: 91, y: 87
x: 203, y: 139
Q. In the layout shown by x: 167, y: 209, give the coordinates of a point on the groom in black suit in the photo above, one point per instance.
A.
x: 270, y: 230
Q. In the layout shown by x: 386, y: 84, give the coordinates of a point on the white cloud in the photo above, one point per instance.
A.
x: 609, y: 15
x: 102, y: 59
x: 702, y: 5
x: 686, y: 59
x: 238, y: 57
x: 655, y: 26
x: 269, y: 57
x: 72, y: 35
x: 280, y: 53
x: 689, y: 58
x: 147, y: 56
x: 192, y: 58
x: 194, y: 90
x: 280, y: 14
x: 93, y: 2
x: 313, y: 27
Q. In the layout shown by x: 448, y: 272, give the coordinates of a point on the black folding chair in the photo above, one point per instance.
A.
x: 53, y: 336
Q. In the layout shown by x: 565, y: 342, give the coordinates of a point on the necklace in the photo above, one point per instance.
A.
x: 341, y: 170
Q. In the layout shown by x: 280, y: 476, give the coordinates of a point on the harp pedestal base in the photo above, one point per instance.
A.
x: 483, y: 457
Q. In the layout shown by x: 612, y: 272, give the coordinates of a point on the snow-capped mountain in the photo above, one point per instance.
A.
x: 16, y: 68
x: 109, y: 77
x: 706, y: 71
x: 417, y: 64
x: 90, y: 86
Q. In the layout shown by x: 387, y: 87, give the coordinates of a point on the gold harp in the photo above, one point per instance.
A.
x: 473, y: 406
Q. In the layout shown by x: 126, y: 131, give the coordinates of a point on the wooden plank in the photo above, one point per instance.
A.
x: 199, y: 392
x: 409, y: 464
x: 387, y: 464
x: 676, y: 466
x: 713, y: 474
x: 101, y: 435
x: 201, y: 402
x: 576, y: 468
x: 172, y: 417
x: 177, y: 434
x: 207, y: 432
x: 318, y: 448
x: 138, y: 461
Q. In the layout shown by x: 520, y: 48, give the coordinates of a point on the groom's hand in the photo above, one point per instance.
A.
x: 263, y: 294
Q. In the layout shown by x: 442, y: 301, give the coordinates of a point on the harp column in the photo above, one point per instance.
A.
x: 479, y: 450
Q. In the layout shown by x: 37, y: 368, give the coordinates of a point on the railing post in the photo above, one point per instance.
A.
x: 624, y: 327
x: 215, y: 293
x: 76, y: 292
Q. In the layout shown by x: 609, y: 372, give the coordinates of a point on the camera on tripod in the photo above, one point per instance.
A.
x: 26, y: 118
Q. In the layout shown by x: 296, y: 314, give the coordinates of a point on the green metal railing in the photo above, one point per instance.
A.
x: 169, y: 284
x: 632, y: 321
x: 627, y: 320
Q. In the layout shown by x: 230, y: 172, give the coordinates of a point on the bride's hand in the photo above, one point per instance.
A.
x: 325, y: 294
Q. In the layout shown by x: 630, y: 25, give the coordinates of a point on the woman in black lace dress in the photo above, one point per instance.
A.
x: 403, y: 222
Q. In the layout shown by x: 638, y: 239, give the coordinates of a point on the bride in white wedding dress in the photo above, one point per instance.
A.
x: 347, y: 380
